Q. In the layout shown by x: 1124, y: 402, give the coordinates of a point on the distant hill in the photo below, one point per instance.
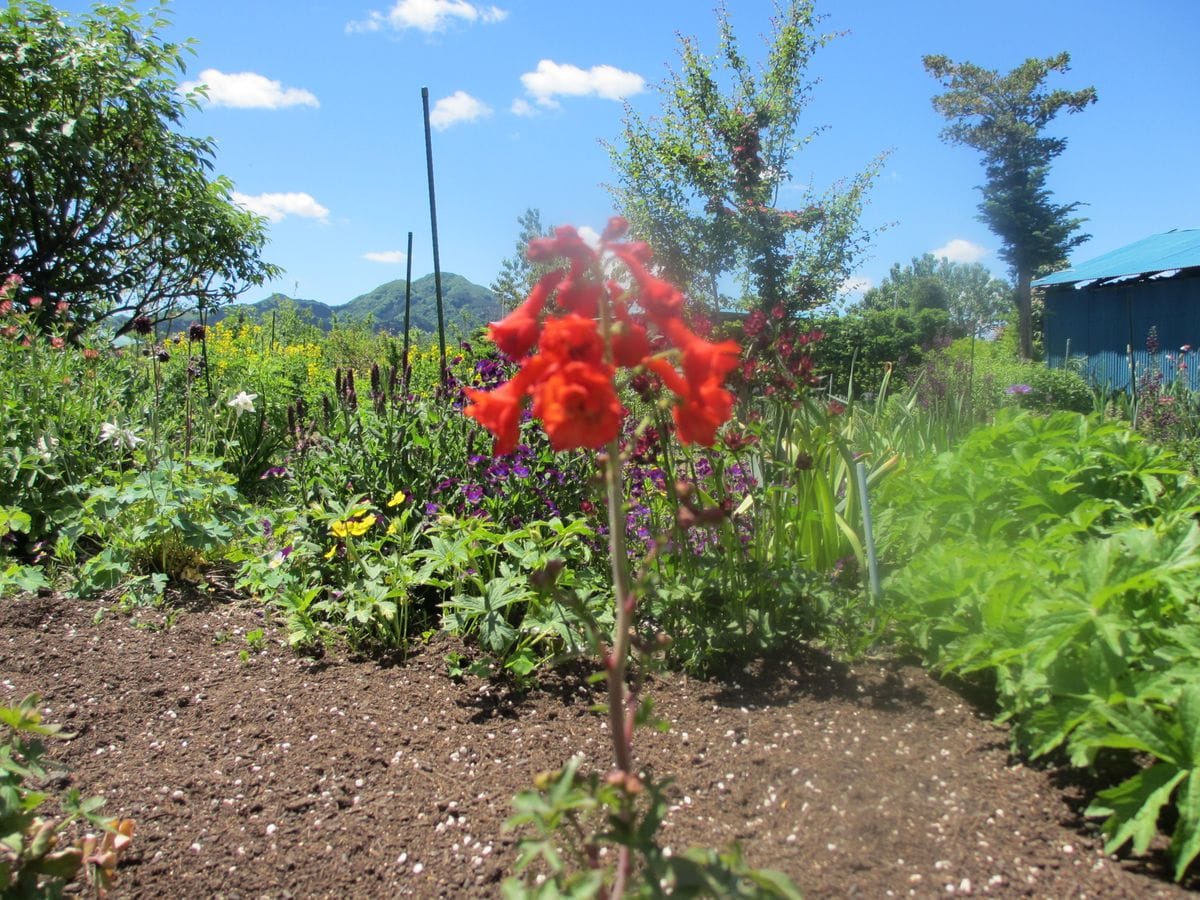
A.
x: 465, y: 305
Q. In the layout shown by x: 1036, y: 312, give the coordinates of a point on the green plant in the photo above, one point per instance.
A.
x: 1098, y: 649
x: 170, y: 520
x: 519, y: 593
x: 110, y: 206
x: 1003, y: 116
x: 34, y: 862
x: 594, y: 812
x: 700, y: 181
x: 571, y: 380
x: 1054, y: 389
x: 1171, y: 734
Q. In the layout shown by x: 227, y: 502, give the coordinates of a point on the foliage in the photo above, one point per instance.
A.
x: 34, y: 862
x: 171, y: 520
x: 701, y: 181
x: 518, y: 274
x: 55, y: 398
x: 108, y: 204
x: 975, y: 301
x: 568, y: 363
x: 524, y: 595
x: 970, y: 379
x: 1003, y: 117
x: 1099, y: 650
x: 863, y: 345
x: 593, y: 814
x: 1052, y: 389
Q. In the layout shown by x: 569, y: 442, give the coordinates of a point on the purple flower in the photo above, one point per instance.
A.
x: 1018, y: 389
x: 473, y: 493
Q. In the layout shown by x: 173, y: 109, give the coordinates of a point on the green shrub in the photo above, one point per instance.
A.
x: 1058, y: 389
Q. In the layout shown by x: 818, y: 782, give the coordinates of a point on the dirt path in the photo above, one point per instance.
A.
x: 283, y: 777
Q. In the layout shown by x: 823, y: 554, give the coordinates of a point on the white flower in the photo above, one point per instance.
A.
x: 243, y: 402
x: 45, y: 447
x: 118, y: 436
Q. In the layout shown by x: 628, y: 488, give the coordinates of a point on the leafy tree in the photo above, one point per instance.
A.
x: 861, y: 344
x: 517, y: 274
x: 103, y: 202
x: 974, y: 300
x: 1003, y: 117
x: 701, y: 181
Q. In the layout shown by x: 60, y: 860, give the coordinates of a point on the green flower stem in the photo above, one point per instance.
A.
x: 618, y: 657
x: 619, y: 723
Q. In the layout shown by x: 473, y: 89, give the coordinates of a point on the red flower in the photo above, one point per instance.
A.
x: 571, y: 377
x: 661, y: 300
x: 578, y: 406
x: 499, y: 411
x: 755, y: 322
x: 702, y: 412
x: 566, y: 242
x: 517, y: 333
x: 630, y: 343
x: 572, y: 338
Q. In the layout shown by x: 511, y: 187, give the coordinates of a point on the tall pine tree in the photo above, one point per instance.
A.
x: 1003, y: 117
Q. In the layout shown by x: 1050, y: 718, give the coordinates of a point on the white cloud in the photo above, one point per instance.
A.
x: 551, y: 80
x: 458, y: 107
x: 275, y: 207
x: 522, y: 107
x: 386, y: 256
x: 248, y: 90
x: 961, y: 251
x: 427, y: 15
x: 855, y: 286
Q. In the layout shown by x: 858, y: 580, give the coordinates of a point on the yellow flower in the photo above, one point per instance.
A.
x: 359, y: 526
x: 397, y: 498
x: 352, y: 527
x: 332, y: 551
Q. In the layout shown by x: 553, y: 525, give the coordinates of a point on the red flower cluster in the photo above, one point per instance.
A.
x: 570, y: 378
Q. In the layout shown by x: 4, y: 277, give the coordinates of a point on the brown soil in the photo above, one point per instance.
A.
x: 281, y: 776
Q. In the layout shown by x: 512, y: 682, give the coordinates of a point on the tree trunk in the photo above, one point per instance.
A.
x: 1025, y: 315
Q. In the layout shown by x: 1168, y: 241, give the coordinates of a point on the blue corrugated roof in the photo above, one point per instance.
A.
x: 1177, y: 249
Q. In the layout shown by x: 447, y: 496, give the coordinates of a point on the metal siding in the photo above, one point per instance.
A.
x: 1097, y: 322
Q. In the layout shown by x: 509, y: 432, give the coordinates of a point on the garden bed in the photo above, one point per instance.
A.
x: 276, y: 775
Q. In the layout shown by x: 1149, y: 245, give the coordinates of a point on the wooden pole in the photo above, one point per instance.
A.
x: 437, y: 268
x: 407, y: 311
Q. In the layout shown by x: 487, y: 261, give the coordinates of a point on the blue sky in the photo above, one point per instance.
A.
x: 316, y: 109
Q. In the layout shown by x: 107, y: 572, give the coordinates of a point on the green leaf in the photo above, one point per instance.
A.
x: 1134, y: 805
x: 1185, y: 842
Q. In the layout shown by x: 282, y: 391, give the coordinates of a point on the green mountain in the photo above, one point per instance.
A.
x: 322, y: 313
x: 465, y: 305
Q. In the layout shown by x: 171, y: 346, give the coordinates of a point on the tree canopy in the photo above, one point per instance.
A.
x: 1004, y: 116
x: 973, y: 299
x: 105, y: 202
x: 701, y: 181
x: 518, y: 274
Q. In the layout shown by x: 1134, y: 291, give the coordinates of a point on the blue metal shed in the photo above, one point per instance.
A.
x: 1104, y: 309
